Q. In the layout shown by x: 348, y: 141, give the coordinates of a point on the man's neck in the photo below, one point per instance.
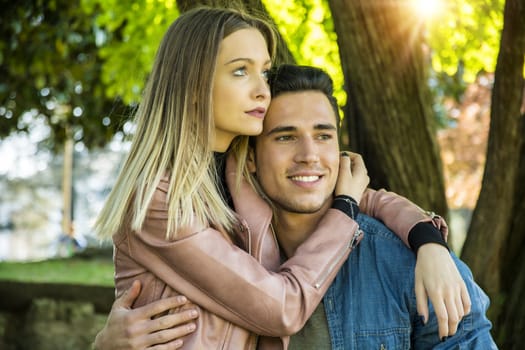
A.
x: 292, y: 229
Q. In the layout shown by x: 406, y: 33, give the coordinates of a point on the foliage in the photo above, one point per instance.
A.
x: 50, y: 70
x: 94, y: 55
x: 308, y: 29
x: 130, y: 47
x: 133, y: 32
x: 463, y: 145
x: 465, y: 38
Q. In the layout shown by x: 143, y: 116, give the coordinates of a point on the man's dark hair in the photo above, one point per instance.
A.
x: 294, y: 78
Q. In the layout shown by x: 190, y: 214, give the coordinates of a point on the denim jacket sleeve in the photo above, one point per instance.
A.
x: 398, y: 213
x: 473, y: 330
x: 227, y: 281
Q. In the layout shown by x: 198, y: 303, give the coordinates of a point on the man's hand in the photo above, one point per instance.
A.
x: 128, y: 328
x: 438, y: 278
x: 353, y: 177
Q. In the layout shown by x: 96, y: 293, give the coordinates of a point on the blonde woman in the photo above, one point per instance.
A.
x: 170, y: 213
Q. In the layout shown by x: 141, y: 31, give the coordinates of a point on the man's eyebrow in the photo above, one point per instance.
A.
x: 324, y: 127
x: 290, y: 128
x: 279, y: 129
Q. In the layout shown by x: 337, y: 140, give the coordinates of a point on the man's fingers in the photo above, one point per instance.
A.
x: 128, y: 298
x: 173, y: 327
x: 176, y: 344
x: 163, y: 305
x: 171, y: 336
x: 172, y: 320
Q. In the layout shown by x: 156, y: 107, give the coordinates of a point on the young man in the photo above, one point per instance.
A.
x: 371, y: 304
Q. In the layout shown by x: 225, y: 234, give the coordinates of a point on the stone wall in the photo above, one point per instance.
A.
x: 35, y: 318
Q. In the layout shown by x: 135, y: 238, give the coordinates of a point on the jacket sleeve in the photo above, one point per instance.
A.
x: 474, y: 331
x: 224, y: 279
x: 398, y: 213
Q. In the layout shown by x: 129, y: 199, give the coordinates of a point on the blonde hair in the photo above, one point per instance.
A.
x: 174, y: 126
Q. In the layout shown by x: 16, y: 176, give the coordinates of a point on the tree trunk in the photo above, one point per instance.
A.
x: 499, y: 202
x: 255, y: 7
x: 510, y: 330
x: 388, y: 113
x: 67, y: 184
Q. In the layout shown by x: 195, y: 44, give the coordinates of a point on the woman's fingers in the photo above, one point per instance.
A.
x: 353, y: 177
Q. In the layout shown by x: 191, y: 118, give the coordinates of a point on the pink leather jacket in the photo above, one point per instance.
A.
x: 240, y: 288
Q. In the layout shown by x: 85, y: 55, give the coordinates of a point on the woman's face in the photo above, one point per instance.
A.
x: 241, y: 94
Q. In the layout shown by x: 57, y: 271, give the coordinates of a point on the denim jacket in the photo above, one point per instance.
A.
x: 372, y: 305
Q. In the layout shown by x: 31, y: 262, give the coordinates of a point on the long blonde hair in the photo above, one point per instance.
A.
x: 175, y: 126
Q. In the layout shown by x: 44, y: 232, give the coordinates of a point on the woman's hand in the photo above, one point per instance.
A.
x: 438, y: 278
x: 138, y: 328
x: 353, y: 177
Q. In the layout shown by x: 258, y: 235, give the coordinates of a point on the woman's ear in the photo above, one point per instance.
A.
x: 250, y: 162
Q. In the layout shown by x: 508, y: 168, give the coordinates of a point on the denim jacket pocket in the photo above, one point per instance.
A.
x: 383, y: 339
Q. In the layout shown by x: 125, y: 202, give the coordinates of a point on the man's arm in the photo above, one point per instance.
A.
x: 128, y: 328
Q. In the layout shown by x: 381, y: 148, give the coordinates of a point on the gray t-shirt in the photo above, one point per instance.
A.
x: 314, y: 335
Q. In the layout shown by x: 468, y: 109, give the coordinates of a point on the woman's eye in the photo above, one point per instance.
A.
x: 266, y: 74
x: 240, y: 72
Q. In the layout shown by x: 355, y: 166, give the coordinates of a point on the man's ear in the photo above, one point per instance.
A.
x: 250, y: 161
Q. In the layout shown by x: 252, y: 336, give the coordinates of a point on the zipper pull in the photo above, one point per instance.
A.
x: 356, y: 238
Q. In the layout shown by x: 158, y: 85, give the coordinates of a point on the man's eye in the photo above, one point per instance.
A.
x: 240, y: 72
x: 284, y: 138
x: 325, y: 137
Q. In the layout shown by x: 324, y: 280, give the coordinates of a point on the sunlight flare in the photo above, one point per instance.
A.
x: 428, y: 8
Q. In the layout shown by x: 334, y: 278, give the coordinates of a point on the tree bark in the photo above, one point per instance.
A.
x: 388, y: 114
x: 499, y: 203
x: 510, y: 330
x: 255, y: 7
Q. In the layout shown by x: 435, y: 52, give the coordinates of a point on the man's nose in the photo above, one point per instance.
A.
x: 308, y: 151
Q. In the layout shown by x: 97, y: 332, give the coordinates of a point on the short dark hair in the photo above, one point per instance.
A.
x: 295, y: 78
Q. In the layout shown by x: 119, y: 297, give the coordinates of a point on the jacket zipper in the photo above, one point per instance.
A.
x: 353, y: 243
x: 244, y: 227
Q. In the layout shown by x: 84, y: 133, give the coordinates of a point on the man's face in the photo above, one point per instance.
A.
x: 297, y: 154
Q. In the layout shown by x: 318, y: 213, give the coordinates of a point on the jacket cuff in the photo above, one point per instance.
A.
x: 347, y: 205
x: 423, y: 233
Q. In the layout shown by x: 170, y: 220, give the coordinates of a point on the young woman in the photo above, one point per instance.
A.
x: 169, y: 213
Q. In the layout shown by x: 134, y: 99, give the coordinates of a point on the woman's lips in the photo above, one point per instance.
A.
x: 257, y: 112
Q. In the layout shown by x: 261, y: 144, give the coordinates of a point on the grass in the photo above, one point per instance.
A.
x: 97, y: 271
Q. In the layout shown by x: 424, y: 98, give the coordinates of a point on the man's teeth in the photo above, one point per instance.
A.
x: 305, y: 178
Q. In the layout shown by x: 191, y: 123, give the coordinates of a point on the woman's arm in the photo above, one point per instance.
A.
x: 225, y: 280
x: 398, y: 213
x: 436, y: 276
